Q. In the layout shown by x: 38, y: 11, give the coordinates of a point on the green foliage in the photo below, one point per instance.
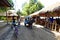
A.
x: 2, y: 18
x: 31, y: 7
x: 24, y: 13
x: 10, y: 1
x: 18, y: 12
x: 31, y: 2
x: 2, y: 9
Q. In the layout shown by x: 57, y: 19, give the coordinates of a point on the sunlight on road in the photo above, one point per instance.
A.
x: 1, y: 21
x: 56, y: 33
x: 38, y: 26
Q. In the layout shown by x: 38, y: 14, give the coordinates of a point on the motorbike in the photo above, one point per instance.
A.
x: 28, y: 25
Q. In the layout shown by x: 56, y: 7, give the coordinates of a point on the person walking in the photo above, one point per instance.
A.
x: 18, y: 20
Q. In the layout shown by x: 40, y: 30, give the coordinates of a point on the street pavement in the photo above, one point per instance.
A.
x: 34, y: 34
x: 5, y: 32
x: 25, y: 33
x: 2, y: 24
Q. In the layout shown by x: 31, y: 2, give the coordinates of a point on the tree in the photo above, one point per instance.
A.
x: 25, y: 9
x: 18, y: 13
x: 32, y: 7
x: 32, y: 2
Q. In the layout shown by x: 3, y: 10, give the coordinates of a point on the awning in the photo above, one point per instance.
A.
x: 5, y: 3
x: 12, y: 13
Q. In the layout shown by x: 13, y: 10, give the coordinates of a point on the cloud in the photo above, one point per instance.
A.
x: 18, y: 4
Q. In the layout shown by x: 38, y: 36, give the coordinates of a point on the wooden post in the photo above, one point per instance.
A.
x: 52, y: 26
x: 55, y: 26
x: 59, y: 28
x: 6, y: 16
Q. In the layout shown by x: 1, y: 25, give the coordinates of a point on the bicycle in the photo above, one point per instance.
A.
x: 16, y: 31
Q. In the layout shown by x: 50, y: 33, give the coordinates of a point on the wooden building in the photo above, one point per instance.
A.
x: 6, y: 3
x: 10, y: 14
x: 50, y: 11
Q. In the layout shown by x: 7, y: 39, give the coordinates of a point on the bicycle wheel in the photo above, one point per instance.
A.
x: 15, y: 35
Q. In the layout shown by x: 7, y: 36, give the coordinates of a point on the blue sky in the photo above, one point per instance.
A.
x: 18, y: 3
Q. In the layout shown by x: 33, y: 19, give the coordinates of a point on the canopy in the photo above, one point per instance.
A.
x: 14, y: 14
x: 5, y: 3
x: 11, y: 13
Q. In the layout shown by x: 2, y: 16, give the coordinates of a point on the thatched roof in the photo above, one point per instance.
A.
x: 12, y: 13
x: 50, y: 8
x: 9, y: 13
x: 38, y: 13
x: 34, y: 14
x: 4, y: 14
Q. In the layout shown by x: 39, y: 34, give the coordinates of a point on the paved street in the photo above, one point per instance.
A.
x: 25, y: 33
x: 34, y: 34
x: 3, y: 28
